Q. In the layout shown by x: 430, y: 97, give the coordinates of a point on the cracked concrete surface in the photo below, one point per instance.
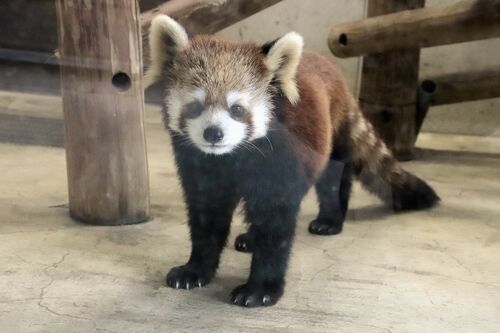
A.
x: 435, y: 271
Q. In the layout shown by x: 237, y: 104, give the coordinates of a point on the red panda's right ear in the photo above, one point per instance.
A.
x: 166, y: 38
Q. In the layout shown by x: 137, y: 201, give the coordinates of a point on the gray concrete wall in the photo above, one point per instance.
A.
x: 313, y: 19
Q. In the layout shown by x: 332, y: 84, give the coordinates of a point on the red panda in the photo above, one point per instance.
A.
x: 261, y: 125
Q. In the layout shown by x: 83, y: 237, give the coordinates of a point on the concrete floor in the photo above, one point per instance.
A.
x: 433, y: 271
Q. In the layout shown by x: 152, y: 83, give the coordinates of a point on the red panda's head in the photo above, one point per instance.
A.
x: 218, y: 93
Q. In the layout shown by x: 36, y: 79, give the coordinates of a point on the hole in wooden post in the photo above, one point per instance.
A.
x: 386, y: 116
x: 121, y: 81
x: 428, y: 86
x: 343, y: 39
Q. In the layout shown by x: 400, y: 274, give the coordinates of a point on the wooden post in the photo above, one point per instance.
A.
x: 103, y: 103
x: 456, y: 22
x: 388, y: 90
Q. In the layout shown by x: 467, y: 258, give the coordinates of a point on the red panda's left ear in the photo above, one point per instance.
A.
x: 282, y: 59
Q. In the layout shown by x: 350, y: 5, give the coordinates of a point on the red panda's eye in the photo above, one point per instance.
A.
x: 193, y: 109
x: 237, y: 111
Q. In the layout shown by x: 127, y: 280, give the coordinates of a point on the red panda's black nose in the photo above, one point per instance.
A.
x: 213, y: 134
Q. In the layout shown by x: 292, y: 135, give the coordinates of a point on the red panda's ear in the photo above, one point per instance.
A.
x: 166, y: 38
x: 282, y: 59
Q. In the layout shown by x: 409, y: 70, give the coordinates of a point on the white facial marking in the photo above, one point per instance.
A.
x: 235, y: 97
x: 176, y: 100
x: 259, y: 109
x: 200, y: 95
x: 261, y: 116
x: 234, y: 131
x: 174, y: 103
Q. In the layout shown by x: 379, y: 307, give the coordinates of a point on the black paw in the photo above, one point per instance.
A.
x: 324, y: 227
x: 186, y: 277
x: 244, y: 243
x: 251, y: 296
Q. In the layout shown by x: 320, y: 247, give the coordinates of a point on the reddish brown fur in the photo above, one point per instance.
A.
x: 200, y: 66
x: 323, y: 107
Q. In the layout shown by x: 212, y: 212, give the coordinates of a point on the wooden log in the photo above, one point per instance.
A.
x: 37, y: 32
x: 462, y: 86
x: 203, y: 16
x: 456, y: 88
x: 388, y: 87
x: 462, y: 21
x: 103, y: 104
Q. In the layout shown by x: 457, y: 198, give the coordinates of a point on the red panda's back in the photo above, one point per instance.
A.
x: 322, y: 107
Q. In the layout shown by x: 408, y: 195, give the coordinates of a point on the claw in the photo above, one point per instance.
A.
x: 237, y: 299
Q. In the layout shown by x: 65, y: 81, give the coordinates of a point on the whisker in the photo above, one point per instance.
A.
x: 244, y: 145
x: 270, y: 144
x: 257, y: 148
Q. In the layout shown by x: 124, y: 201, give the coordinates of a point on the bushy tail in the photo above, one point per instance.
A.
x: 381, y: 174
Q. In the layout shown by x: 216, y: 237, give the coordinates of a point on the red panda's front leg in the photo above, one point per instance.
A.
x: 209, y: 228
x: 272, y: 228
x: 211, y: 199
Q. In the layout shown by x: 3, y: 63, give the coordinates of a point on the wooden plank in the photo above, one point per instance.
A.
x: 456, y: 88
x: 27, y: 130
x: 388, y: 87
x: 206, y: 16
x: 457, y: 22
x: 38, y: 31
x: 463, y: 86
x: 103, y: 104
x: 199, y: 16
x: 203, y: 16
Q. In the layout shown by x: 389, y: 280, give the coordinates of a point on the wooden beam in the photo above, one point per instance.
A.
x: 463, y: 86
x: 103, y: 104
x: 203, y: 16
x: 456, y: 88
x: 37, y: 39
x: 462, y: 21
x: 207, y: 16
x: 388, y: 87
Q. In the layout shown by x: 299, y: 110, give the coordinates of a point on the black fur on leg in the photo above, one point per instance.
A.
x: 211, y: 198
x: 272, y: 184
x: 272, y: 188
x: 334, y: 188
x: 414, y: 194
x: 273, y: 232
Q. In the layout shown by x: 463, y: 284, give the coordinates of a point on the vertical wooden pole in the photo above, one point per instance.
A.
x: 103, y: 103
x: 389, y: 86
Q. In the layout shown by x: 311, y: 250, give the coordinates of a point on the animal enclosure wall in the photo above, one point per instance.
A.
x: 40, y: 35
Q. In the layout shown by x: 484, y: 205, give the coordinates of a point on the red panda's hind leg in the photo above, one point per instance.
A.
x: 333, y: 189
